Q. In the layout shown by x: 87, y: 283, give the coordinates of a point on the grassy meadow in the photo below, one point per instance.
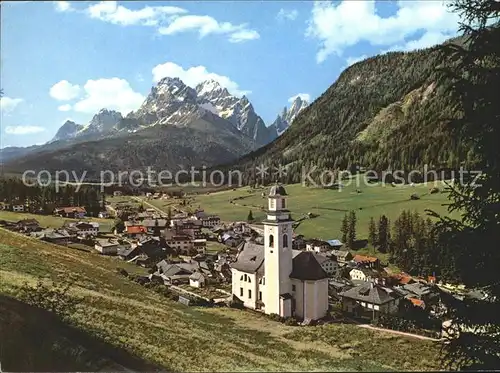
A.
x: 49, y: 221
x: 330, y: 205
x: 180, y: 338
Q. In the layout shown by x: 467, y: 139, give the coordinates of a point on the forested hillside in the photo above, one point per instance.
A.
x: 386, y: 112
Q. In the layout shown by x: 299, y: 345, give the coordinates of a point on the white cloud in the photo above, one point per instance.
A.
x: 23, y: 130
x: 428, y: 39
x: 206, y: 25
x: 339, y: 26
x: 64, y: 91
x: 63, y: 6
x: 66, y: 107
x: 303, y: 96
x: 243, y: 35
x: 113, y: 93
x: 194, y: 76
x: 8, y: 104
x: 285, y: 14
x: 110, y: 11
x: 352, y: 60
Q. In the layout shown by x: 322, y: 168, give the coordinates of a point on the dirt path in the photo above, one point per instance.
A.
x: 366, y: 326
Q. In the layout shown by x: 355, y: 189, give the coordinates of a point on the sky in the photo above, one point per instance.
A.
x: 67, y: 60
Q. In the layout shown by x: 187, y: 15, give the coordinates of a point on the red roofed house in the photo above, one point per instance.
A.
x: 417, y: 302
x: 71, y: 212
x: 368, y: 261
x: 135, y: 230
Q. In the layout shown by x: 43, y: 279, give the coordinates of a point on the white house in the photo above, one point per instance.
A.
x: 84, y: 228
x: 197, y: 280
x: 274, y: 278
x: 107, y: 247
x: 318, y: 246
x: 363, y: 274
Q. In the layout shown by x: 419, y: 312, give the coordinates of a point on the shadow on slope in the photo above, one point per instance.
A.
x: 35, y: 340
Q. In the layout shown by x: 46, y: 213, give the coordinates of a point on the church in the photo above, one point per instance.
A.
x: 275, y: 279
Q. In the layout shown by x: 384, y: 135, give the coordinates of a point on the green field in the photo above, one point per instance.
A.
x: 179, y: 338
x: 49, y: 221
x: 331, y: 205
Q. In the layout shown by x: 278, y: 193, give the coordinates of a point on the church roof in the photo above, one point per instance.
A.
x: 277, y: 190
x: 305, y: 267
x: 371, y: 293
x: 250, y: 258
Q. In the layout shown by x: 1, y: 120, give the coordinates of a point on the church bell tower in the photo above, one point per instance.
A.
x: 278, y: 253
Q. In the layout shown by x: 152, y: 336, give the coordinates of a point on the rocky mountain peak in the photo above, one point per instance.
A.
x: 288, y: 115
x: 67, y: 131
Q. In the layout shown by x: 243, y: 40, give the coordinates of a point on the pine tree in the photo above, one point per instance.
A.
x: 372, y: 233
x: 471, y: 243
x: 250, y: 216
x: 344, y: 229
x: 383, y: 234
x: 351, y: 235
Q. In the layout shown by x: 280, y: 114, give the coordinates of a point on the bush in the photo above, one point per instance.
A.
x: 434, y: 190
x: 291, y: 321
x: 54, y: 299
x: 414, y: 197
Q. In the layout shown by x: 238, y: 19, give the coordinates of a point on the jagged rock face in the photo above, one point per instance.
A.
x: 67, y: 131
x: 287, y: 116
x: 238, y: 111
x: 103, y: 122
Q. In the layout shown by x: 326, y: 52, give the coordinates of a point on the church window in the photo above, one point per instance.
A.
x: 241, y: 292
x: 242, y: 278
x: 271, y: 240
x: 249, y: 294
x: 285, y: 240
x: 283, y: 203
x: 293, y: 288
x: 260, y: 295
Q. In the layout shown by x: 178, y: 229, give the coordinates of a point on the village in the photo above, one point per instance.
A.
x: 206, y: 261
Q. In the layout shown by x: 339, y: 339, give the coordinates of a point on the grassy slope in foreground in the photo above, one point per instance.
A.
x: 331, y: 205
x: 179, y: 338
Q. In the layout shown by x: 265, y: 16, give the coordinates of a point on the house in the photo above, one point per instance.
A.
x: 343, y: 256
x: 151, y: 250
x: 128, y: 253
x: 363, y: 274
x: 175, y: 273
x: 71, y: 212
x: 28, y: 225
x: 181, y: 243
x: 200, y: 245
x: 134, y: 231
x: 330, y: 265
x: 318, y: 246
x: 210, y: 221
x: 271, y: 277
x: 55, y: 236
x: 335, y: 244
x: 107, y: 246
x: 152, y: 224
x: 338, y: 285
x: 85, y: 229
x: 369, y: 300
x: 417, y: 302
x: 422, y: 291
x: 367, y: 261
x: 400, y: 279
x: 197, y: 280
x: 18, y: 208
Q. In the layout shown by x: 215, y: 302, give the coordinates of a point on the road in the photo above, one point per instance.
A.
x: 161, y: 212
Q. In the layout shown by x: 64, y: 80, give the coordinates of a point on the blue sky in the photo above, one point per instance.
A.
x: 67, y: 60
